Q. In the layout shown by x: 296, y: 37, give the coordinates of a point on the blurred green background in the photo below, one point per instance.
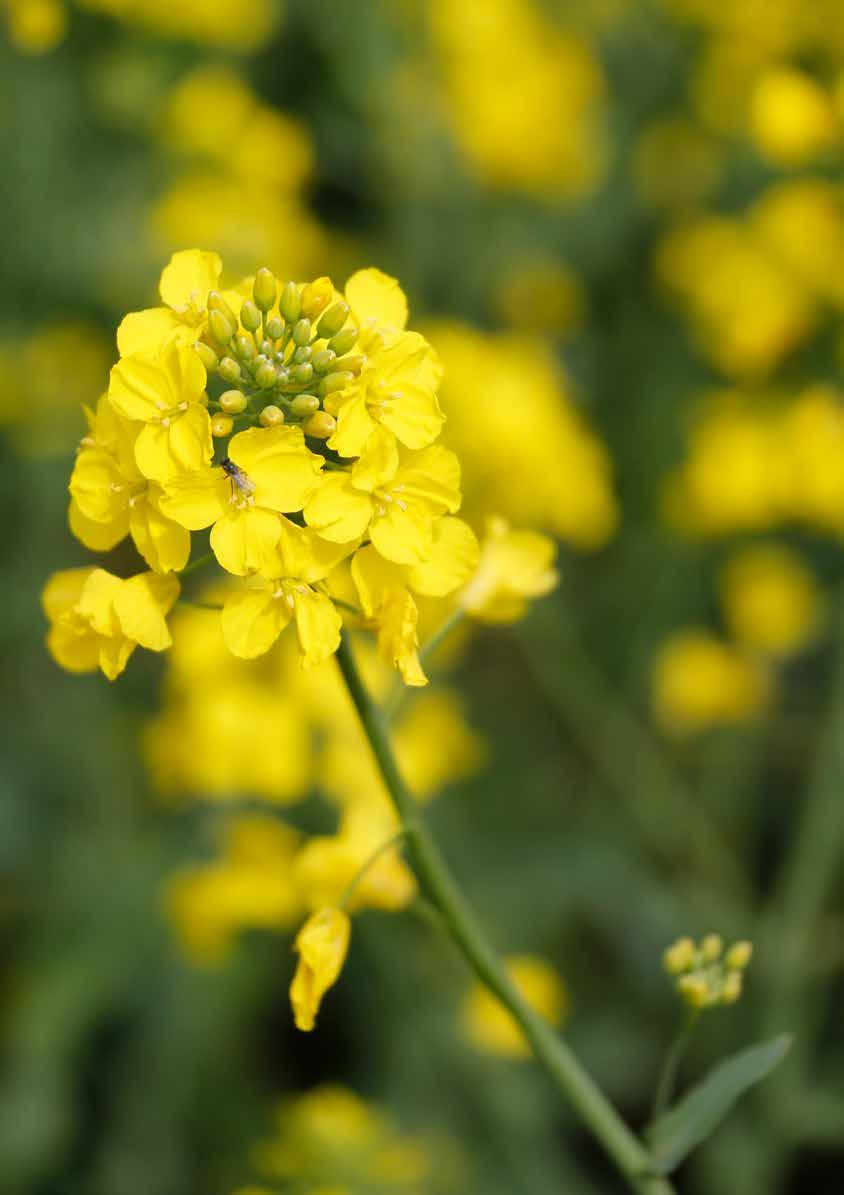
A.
x: 623, y: 220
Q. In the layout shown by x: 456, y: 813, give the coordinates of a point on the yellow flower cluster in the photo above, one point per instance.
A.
x: 330, y: 1141
x: 758, y: 462
x: 34, y: 26
x: 241, y: 176
x: 705, y: 974
x: 558, y: 471
x: 544, y: 136
x: 304, y: 366
x: 242, y: 26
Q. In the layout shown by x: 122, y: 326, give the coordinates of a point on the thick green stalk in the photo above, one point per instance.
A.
x: 439, y: 885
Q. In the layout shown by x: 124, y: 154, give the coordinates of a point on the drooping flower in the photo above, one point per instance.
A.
x: 514, y: 567
x: 97, y: 620
x: 322, y: 944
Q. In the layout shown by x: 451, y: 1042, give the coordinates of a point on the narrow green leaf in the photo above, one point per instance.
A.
x: 702, y: 1109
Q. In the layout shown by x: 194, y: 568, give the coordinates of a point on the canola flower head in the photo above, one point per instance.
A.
x: 322, y: 944
x: 491, y: 1028
x: 706, y: 975
x: 299, y: 424
x: 700, y: 681
x: 770, y: 599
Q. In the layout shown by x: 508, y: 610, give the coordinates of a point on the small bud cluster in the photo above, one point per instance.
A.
x: 705, y: 974
x: 286, y: 354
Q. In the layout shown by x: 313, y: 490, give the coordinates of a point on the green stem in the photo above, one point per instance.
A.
x: 352, y: 886
x: 668, y: 1074
x: 435, y: 878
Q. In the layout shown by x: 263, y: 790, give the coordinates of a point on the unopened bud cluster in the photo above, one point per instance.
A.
x: 286, y: 353
x: 706, y: 974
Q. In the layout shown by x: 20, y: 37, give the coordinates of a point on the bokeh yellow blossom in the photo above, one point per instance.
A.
x: 491, y: 1027
x: 700, y: 681
x: 770, y: 599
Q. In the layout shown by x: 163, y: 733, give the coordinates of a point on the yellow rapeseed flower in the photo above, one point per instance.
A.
x: 490, y: 1026
x: 514, y: 566
x: 700, y: 681
x: 770, y: 599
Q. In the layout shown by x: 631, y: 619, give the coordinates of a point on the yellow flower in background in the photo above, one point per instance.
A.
x: 326, y: 866
x: 329, y: 1140
x: 184, y: 286
x: 322, y: 944
x: 514, y: 567
x: 510, y: 414
x: 254, y: 618
x: 770, y: 599
x: 267, y: 472
x: 490, y: 1026
x: 247, y: 887
x: 543, y: 295
x: 97, y: 620
x: 505, y: 132
x: 699, y: 681
x: 792, y: 118
x: 35, y: 26
x: 233, y: 25
x: 164, y: 391
x: 801, y: 223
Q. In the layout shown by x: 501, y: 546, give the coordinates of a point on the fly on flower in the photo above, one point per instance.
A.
x: 240, y: 482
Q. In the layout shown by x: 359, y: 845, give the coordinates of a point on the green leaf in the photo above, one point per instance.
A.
x: 702, y: 1109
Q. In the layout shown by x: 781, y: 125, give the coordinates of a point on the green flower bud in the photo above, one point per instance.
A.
x: 344, y: 341
x: 271, y: 416
x: 216, y: 302
x: 316, y: 296
x: 207, y: 356
x: 303, y: 353
x: 333, y: 320
x: 335, y: 381
x: 323, y: 360
x: 738, y: 956
x: 250, y: 316
x: 266, y: 347
x: 303, y: 373
x: 233, y: 402
x: 230, y: 371
x: 245, y: 345
x: 302, y: 332
x: 266, y: 375
x: 290, y: 303
x: 304, y: 405
x: 321, y: 425
x: 283, y: 374
x: 221, y: 426
x: 275, y: 328
x: 221, y: 328
x: 264, y: 289
x: 353, y: 363
x: 711, y: 947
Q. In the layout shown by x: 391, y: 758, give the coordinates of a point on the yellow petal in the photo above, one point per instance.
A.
x: 354, y: 423
x: 197, y: 499
x: 73, y: 648
x: 379, y: 462
x: 398, y: 641
x: 244, y: 540
x: 113, y: 656
x: 63, y: 591
x: 98, y: 537
x: 252, y: 621
x: 322, y: 944
x: 402, y: 534
x: 414, y: 417
x: 141, y: 605
x: 146, y: 331
x: 96, y: 602
x: 375, y: 579
x: 182, y: 446
x: 164, y: 545
x: 452, y: 559
x: 373, y: 295
x: 279, y: 464
x: 337, y: 510
x: 318, y: 625
x: 98, y: 487
x: 305, y: 555
x: 189, y: 275
x: 432, y: 477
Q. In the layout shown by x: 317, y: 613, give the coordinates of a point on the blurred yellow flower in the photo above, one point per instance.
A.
x: 770, y: 599
x: 233, y: 25
x: 35, y: 26
x: 792, y: 118
x: 700, y: 681
x: 544, y: 296
x: 514, y: 567
x: 490, y: 1025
